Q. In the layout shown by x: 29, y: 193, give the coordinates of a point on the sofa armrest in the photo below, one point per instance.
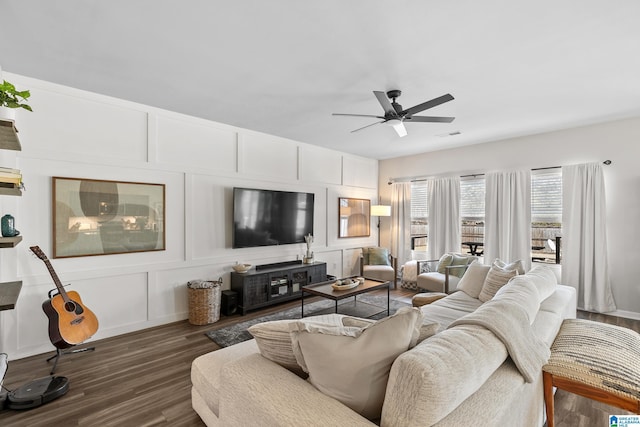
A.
x: 256, y: 391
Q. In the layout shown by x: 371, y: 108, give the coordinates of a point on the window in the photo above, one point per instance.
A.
x: 419, y: 216
x: 472, y: 191
x: 546, y: 214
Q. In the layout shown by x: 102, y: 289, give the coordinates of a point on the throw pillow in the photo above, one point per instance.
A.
x: 365, y: 256
x: 458, y: 260
x: 274, y: 337
x: 473, y: 280
x: 496, y: 278
x: 444, y: 262
x: 517, y: 265
x: 379, y: 256
x: 352, y: 365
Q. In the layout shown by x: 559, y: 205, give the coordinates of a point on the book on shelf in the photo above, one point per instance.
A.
x: 9, y: 170
x: 10, y: 185
x: 9, y: 180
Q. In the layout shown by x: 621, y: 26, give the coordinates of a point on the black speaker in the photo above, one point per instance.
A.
x: 229, y: 303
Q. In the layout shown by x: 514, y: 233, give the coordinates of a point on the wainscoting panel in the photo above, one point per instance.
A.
x: 67, y: 125
x: 268, y: 156
x: 360, y: 172
x: 320, y: 165
x: 194, y: 144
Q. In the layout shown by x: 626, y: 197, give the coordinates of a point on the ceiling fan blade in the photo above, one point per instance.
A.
x: 429, y: 119
x: 364, y: 127
x: 386, y: 105
x: 399, y: 128
x: 426, y: 105
x: 357, y: 115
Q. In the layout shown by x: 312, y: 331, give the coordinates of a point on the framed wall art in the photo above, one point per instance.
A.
x: 97, y: 217
x: 354, y: 217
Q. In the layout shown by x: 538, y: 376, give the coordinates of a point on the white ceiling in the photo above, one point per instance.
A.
x: 283, y: 66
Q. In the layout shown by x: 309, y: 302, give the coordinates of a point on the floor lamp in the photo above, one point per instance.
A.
x: 380, y: 210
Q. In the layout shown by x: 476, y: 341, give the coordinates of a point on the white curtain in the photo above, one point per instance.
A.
x: 444, y: 216
x: 401, y: 221
x: 584, y: 237
x: 507, y: 228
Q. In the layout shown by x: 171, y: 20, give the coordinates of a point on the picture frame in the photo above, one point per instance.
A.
x: 354, y: 217
x: 100, y: 217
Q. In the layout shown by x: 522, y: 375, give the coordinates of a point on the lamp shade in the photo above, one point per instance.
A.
x: 380, y: 210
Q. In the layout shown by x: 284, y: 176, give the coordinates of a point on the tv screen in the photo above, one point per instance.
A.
x: 267, y: 217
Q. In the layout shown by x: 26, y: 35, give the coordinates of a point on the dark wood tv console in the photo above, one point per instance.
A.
x: 267, y: 286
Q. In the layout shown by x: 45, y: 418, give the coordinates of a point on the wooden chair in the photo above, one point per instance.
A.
x: 434, y: 281
x: 382, y: 272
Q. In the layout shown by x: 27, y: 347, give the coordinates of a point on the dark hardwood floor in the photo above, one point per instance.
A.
x: 143, y: 379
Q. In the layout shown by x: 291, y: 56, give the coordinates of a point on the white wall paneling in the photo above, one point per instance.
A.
x: 269, y: 156
x: 69, y: 124
x: 320, y: 165
x: 359, y: 172
x: 199, y: 144
x: 77, y: 134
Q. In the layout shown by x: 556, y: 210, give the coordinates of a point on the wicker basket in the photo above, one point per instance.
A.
x: 204, y: 301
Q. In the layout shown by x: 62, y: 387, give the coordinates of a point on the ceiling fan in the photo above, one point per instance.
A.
x: 396, y: 116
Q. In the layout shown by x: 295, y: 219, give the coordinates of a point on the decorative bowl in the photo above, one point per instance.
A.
x: 241, y: 268
x: 343, y: 285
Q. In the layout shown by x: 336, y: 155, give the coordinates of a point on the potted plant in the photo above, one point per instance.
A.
x: 10, y: 99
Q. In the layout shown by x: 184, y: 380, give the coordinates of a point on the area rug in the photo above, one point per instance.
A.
x: 362, y: 307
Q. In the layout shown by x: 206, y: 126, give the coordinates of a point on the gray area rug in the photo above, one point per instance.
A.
x: 364, y: 306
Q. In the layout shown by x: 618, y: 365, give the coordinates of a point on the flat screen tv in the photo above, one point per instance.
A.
x: 268, y: 217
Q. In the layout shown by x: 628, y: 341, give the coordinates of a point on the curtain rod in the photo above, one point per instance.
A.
x: 422, y: 178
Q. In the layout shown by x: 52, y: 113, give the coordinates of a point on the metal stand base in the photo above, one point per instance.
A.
x: 60, y: 353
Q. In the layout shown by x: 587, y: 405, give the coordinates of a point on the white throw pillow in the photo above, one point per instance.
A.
x: 274, y: 337
x: 517, y: 265
x: 352, y: 365
x: 473, y: 280
x: 544, y: 279
x: 496, y: 278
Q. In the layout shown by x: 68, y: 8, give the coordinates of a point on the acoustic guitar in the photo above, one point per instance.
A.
x: 70, y: 321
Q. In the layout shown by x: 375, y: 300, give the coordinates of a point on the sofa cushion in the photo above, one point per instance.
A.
x: 206, y: 371
x: 544, y: 279
x: 352, y: 365
x: 378, y: 272
x: 431, y: 380
x: 496, y: 278
x: 446, y: 310
x: 274, y: 337
x: 473, y: 280
x: 521, y: 290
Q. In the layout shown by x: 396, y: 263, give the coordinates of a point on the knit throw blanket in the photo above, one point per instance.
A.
x: 510, y: 323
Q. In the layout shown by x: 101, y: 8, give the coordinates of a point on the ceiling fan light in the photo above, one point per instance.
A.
x: 398, y: 126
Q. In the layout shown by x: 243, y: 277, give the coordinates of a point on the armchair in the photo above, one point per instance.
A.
x: 378, y: 264
x: 442, y: 275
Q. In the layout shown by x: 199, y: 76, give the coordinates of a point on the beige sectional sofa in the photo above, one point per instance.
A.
x: 462, y: 375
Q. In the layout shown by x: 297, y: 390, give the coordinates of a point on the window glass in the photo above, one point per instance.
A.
x: 472, y: 191
x: 546, y: 214
x: 419, y: 217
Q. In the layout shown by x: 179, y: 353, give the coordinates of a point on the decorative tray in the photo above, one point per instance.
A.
x: 340, y: 287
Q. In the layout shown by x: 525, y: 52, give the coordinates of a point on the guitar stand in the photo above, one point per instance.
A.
x: 59, y: 353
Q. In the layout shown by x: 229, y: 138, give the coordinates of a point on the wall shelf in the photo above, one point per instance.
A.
x: 9, y: 292
x: 9, y: 136
x: 10, y: 242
